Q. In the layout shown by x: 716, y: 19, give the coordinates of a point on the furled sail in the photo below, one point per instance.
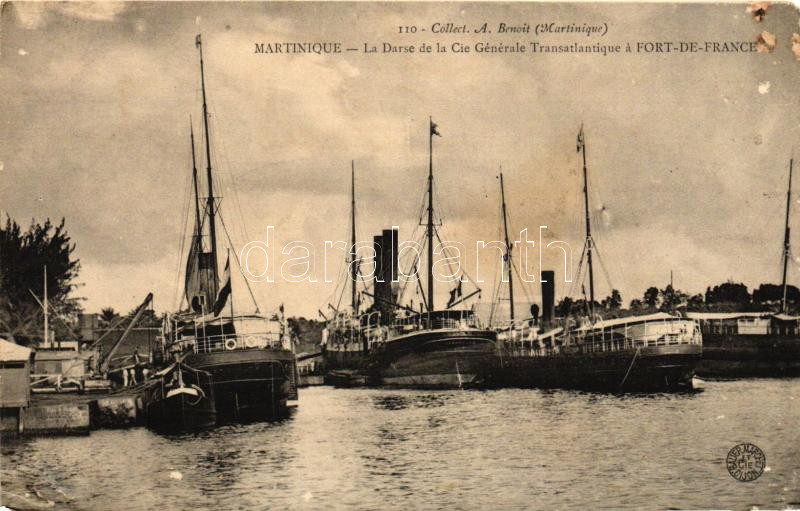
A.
x: 199, y: 277
x: 225, y: 290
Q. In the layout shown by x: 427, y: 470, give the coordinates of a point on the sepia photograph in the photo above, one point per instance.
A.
x: 399, y: 255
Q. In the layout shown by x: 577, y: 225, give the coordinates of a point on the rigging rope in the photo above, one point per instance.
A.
x: 188, y: 192
x: 515, y: 268
x: 603, y: 267
x: 231, y: 184
x: 246, y: 280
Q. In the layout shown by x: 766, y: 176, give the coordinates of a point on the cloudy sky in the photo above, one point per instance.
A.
x: 688, y: 153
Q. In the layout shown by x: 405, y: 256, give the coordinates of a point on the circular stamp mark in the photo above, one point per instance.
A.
x: 746, y: 462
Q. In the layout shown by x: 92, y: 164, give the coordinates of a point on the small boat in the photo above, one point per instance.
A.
x: 182, y: 400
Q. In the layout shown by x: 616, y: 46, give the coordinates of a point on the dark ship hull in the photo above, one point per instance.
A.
x: 182, y: 411
x: 346, y: 378
x: 741, y: 355
x: 345, y: 360
x: 438, y: 358
x: 346, y: 365
x: 249, y: 384
x: 650, y: 369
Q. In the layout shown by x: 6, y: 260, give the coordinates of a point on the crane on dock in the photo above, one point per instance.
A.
x: 105, y: 359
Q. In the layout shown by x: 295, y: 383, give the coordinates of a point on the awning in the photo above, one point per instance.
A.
x: 10, y: 352
x: 786, y: 317
x: 725, y: 315
x: 628, y: 320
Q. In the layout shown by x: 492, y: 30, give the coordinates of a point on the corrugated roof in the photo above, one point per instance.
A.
x: 10, y: 352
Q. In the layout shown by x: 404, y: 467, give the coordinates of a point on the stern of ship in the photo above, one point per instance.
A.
x: 443, y: 358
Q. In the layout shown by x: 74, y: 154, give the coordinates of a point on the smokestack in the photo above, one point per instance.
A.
x: 548, y: 296
x: 394, y: 264
x: 386, y: 264
x: 389, y: 260
x: 380, y: 284
x: 378, y: 244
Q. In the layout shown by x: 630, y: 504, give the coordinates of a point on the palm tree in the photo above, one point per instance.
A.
x: 107, y: 316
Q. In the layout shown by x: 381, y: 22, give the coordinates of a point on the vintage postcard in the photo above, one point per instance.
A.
x: 399, y: 255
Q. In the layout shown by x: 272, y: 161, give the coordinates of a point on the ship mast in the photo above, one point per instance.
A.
x: 786, y: 243
x: 211, y: 203
x: 589, y: 242
x: 194, y: 182
x: 430, y: 220
x: 46, y: 313
x: 508, y: 250
x: 354, y: 267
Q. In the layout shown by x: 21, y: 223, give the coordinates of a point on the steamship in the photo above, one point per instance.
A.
x: 656, y: 352
x: 391, y: 344
x: 740, y: 344
x: 247, y: 358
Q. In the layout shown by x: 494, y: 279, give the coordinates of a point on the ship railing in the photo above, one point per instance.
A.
x: 660, y: 332
x: 442, y: 323
x: 407, y: 325
x: 516, y: 330
x: 617, y: 338
x: 233, y: 342
x: 347, y: 329
x: 343, y: 322
x: 529, y: 342
x: 353, y: 340
x: 351, y: 346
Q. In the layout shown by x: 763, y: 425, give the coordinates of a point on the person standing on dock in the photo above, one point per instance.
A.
x: 137, y: 367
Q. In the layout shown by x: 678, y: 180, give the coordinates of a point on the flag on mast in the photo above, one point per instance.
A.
x: 455, y: 294
x: 434, y: 129
x: 225, y: 290
x: 580, y: 139
x: 197, y: 41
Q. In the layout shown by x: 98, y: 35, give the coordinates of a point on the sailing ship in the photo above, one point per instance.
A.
x: 638, y: 353
x: 391, y: 344
x: 741, y: 343
x: 249, y: 358
x: 345, y: 346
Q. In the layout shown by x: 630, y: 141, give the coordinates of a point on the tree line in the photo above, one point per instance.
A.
x: 728, y: 296
x: 24, y: 253
x: 23, y: 257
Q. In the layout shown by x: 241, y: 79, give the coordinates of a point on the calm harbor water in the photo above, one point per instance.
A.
x: 374, y: 448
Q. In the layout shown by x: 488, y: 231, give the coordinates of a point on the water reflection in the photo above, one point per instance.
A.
x: 390, y: 402
x: 403, y: 401
x: 369, y: 448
